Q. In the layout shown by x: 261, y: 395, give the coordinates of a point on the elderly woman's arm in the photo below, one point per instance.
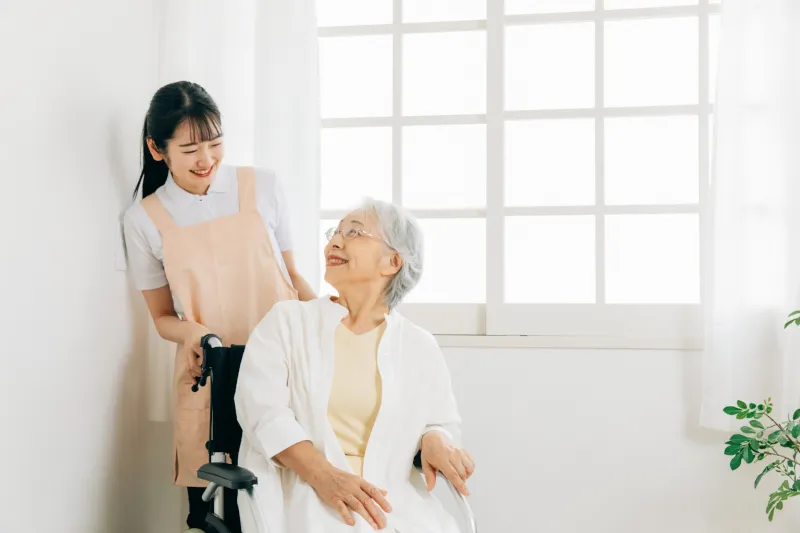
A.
x: 440, y: 442
x: 269, y: 424
x: 262, y: 389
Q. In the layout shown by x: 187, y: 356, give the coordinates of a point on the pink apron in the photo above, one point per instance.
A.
x: 226, y: 277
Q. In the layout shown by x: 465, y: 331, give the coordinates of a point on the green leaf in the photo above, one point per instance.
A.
x: 733, y: 449
x: 761, y: 456
x: 748, y: 455
x: 779, y: 506
x: 773, y: 437
x: 736, y: 462
x: 789, y: 323
x: 769, y: 410
x: 741, y: 404
x: 754, y: 444
x: 769, y: 468
x: 758, y: 415
x: 748, y: 430
x: 742, y: 415
x: 796, y: 415
x: 771, y: 514
x: 756, y: 424
x: 737, y: 438
x: 731, y: 410
x: 752, y: 406
x: 761, y: 407
x: 793, y: 313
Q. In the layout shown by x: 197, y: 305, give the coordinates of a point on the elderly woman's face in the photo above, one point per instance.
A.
x: 357, y: 252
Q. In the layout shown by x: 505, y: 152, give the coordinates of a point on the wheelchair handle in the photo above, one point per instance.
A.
x: 208, y: 342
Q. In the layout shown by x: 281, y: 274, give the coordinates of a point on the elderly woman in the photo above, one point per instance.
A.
x: 337, y: 395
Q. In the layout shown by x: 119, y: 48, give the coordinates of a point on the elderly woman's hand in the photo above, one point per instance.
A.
x: 347, y: 493
x: 439, y: 455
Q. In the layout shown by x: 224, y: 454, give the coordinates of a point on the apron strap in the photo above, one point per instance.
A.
x: 246, y: 177
x: 158, y: 214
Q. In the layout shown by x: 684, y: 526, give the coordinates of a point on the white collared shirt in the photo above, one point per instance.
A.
x: 143, y: 241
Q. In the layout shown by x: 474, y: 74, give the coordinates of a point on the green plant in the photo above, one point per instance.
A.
x: 772, y: 440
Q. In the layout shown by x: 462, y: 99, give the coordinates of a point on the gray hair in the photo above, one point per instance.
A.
x: 402, y: 231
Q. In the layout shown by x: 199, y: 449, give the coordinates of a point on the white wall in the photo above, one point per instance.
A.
x: 571, y: 441
x: 76, y: 78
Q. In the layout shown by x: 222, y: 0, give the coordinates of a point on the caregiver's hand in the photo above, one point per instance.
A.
x: 347, y: 493
x: 193, y: 334
x: 439, y: 455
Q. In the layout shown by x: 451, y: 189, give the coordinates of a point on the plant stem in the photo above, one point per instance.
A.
x: 776, y: 454
x: 788, y: 435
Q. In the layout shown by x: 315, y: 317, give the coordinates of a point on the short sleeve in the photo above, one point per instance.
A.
x: 146, y: 269
x: 273, y: 206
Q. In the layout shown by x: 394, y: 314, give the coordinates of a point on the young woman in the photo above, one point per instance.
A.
x: 209, y: 247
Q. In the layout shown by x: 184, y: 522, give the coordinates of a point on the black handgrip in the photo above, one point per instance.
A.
x: 206, y: 340
x: 205, y: 344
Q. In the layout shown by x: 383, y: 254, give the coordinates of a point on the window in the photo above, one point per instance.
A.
x: 555, y: 151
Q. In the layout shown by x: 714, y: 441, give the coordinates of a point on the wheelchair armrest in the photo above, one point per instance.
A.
x: 228, y: 476
x: 461, y: 500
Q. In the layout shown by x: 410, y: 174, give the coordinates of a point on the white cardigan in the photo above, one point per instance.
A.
x: 282, y: 399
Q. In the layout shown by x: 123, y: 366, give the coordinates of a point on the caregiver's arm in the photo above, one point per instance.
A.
x: 442, y: 435
x: 304, y: 290
x: 283, y: 236
x: 149, y: 276
x: 171, y: 328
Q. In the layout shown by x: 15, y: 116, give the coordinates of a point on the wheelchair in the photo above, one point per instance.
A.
x: 221, y: 365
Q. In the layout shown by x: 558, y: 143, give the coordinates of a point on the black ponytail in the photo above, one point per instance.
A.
x: 170, y: 107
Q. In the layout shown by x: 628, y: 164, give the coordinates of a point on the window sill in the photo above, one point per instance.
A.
x: 567, y: 342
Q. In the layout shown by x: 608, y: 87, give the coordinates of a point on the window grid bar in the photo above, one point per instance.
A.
x: 539, y: 211
x: 443, y: 120
x: 515, y: 20
x: 495, y: 172
x: 397, y: 103
x: 602, y: 210
x: 704, y: 150
x: 599, y: 147
x: 600, y: 112
x: 602, y: 15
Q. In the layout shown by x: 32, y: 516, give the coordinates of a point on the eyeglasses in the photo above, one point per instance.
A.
x: 351, y: 233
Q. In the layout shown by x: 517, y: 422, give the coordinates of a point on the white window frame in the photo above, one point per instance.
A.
x: 496, y: 323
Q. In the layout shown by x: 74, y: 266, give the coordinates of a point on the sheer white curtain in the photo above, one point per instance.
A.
x: 753, y: 261
x: 258, y: 60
